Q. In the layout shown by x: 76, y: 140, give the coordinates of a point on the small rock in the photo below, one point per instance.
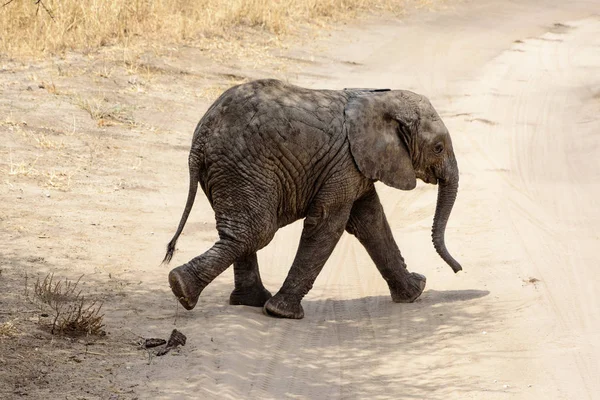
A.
x: 506, y: 386
x: 177, y: 339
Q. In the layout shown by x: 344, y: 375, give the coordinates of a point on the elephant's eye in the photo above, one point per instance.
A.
x: 438, y: 148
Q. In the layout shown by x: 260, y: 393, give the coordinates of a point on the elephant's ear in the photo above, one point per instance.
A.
x: 374, y: 124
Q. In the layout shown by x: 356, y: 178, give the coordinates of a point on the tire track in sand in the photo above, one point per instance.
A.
x: 546, y: 199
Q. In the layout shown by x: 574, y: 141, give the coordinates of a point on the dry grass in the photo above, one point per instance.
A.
x: 89, y: 24
x: 55, y: 179
x: 34, y: 167
x: 105, y: 113
x: 71, y: 313
x: 44, y: 142
x: 59, y: 180
x: 50, y: 87
x: 22, y: 168
x: 8, y: 329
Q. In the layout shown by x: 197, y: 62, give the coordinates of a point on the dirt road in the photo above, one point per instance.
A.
x: 518, y: 86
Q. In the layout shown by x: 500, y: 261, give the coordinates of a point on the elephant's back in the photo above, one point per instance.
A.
x: 271, y: 106
x: 275, y: 139
x: 268, y: 119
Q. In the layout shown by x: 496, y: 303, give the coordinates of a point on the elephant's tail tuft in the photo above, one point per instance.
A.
x: 170, y: 251
x: 193, y: 189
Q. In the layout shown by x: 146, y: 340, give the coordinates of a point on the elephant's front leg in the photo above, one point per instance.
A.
x: 249, y: 289
x: 368, y: 223
x: 322, y: 230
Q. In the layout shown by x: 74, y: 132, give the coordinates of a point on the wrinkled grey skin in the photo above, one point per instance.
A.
x: 267, y: 154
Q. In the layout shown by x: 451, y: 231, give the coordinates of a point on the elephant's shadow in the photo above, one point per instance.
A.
x: 369, y: 333
x: 433, y: 307
x: 360, y: 338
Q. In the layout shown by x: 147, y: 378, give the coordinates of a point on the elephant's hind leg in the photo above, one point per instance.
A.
x: 368, y: 223
x: 188, y: 280
x: 242, y: 232
x: 249, y: 289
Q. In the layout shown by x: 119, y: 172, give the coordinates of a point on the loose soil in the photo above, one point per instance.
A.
x: 93, y: 180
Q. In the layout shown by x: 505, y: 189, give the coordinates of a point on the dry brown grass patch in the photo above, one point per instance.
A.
x: 49, y: 86
x: 89, y: 24
x: 22, y: 168
x: 105, y: 113
x: 59, y: 180
x: 8, y: 329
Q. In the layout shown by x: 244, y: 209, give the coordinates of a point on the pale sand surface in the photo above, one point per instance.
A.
x: 525, y: 124
x: 518, y: 86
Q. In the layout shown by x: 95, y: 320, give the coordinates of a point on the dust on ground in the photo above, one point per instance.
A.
x: 93, y: 180
x: 94, y: 148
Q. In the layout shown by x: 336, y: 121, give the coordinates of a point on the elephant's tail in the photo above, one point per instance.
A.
x: 194, y: 179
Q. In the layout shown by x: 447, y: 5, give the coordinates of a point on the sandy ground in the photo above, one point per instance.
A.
x: 517, y: 84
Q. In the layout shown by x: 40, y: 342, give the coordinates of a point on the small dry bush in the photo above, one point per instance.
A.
x: 88, y: 24
x: 8, y: 329
x: 71, y: 313
x: 105, y: 113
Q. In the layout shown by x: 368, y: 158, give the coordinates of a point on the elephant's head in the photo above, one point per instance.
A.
x: 396, y: 137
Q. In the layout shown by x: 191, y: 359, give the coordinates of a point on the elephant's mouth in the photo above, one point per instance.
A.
x: 428, y: 179
x: 427, y: 174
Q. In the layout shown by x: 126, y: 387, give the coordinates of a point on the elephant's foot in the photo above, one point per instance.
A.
x: 255, y: 296
x: 185, y: 286
x: 284, y: 306
x: 409, y: 289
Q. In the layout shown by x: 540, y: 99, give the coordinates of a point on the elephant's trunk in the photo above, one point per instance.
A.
x: 447, y: 191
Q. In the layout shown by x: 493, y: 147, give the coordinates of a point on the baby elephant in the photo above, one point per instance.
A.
x: 267, y: 153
